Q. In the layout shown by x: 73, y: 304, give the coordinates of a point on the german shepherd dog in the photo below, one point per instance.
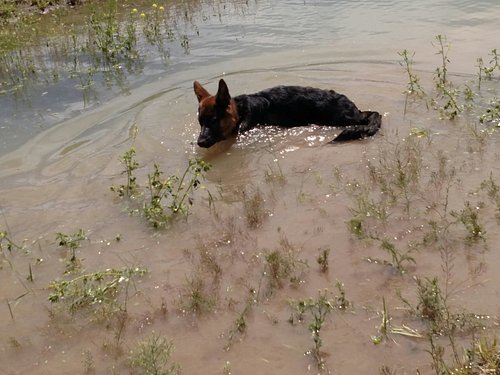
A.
x: 221, y: 116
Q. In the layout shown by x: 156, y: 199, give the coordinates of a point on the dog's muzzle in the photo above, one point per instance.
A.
x: 207, y: 138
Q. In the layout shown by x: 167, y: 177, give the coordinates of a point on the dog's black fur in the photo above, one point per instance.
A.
x: 287, y: 106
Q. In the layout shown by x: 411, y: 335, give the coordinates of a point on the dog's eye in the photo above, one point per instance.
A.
x: 209, y: 121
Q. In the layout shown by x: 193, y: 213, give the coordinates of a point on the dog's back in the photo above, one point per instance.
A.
x: 290, y: 106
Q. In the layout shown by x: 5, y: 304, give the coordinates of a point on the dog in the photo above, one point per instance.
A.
x: 221, y: 116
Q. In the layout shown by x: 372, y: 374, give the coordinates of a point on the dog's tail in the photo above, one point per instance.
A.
x: 369, y: 125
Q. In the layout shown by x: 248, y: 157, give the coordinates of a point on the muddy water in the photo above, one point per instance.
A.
x: 58, y: 181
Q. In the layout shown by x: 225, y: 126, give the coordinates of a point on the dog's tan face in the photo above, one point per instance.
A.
x: 217, y: 114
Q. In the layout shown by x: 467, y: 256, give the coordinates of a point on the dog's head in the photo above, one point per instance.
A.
x: 217, y: 114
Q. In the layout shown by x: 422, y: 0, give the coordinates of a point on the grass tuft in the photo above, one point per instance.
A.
x: 153, y: 357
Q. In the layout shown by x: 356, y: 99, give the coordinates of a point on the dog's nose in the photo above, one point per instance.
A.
x: 203, y: 142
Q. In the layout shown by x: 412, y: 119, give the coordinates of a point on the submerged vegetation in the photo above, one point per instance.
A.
x: 109, y: 47
x: 7, y: 243
x: 96, y: 291
x: 153, y: 356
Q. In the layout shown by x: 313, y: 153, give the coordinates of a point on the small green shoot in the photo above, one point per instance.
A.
x: 341, y: 302
x: 482, y: 358
x: 413, y: 86
x: 322, y: 260
x: 384, y: 327
x: 399, y: 260
x: 71, y: 242
x: 447, y: 95
x: 492, y: 189
x: 492, y: 113
x: 282, y: 265
x: 153, y: 357
x: 319, y: 309
x: 226, y: 370
x: 130, y: 189
x: 253, y: 205
x: 356, y: 227
x: 240, y: 325
x: 441, y: 73
x: 432, y: 304
x: 88, y: 362
x: 469, y: 217
x: 274, y: 174
x: 7, y: 243
x: 197, y: 298
x: 387, y: 328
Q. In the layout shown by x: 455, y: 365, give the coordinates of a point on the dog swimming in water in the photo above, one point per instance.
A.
x: 221, y: 115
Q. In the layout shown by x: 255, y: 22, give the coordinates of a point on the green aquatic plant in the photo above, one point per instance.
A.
x: 492, y: 189
x: 156, y: 29
x: 341, y: 301
x: 482, y: 357
x: 88, y: 362
x: 282, y: 265
x: 172, y: 196
x: 240, y: 324
x: 385, y: 325
x: 71, y: 242
x: 274, y: 174
x: 196, y: 297
x: 366, y: 206
x: 413, y: 85
x: 495, y: 59
x: 322, y: 260
x: 469, y: 217
x: 110, y: 41
x: 399, y: 260
x: 432, y: 304
x: 447, y: 100
x: 165, y: 198
x: 488, y: 71
x: 97, y: 291
x: 7, y: 243
x: 480, y: 66
x: 254, y: 207
x: 433, y: 307
x: 131, y: 188
x: 469, y: 95
x: 153, y: 357
x: 319, y: 309
x: 386, y: 328
x: 450, y: 108
x: 226, y: 370
x: 398, y: 169
x: 441, y: 73
x: 357, y: 227
x: 7, y: 9
x: 492, y: 113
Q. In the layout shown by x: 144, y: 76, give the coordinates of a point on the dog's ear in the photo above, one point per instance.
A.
x: 200, y: 91
x: 222, y: 98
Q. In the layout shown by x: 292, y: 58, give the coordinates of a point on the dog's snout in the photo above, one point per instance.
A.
x: 203, y: 142
x: 205, y: 138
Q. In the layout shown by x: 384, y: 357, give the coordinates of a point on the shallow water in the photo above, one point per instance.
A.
x: 58, y: 179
